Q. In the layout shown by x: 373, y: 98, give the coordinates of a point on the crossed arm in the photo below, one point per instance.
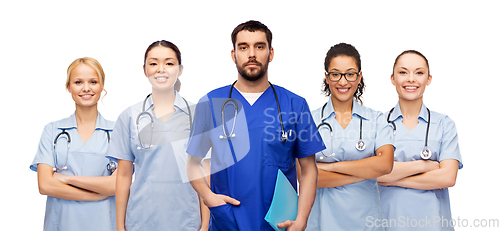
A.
x: 422, y: 174
x: 349, y: 172
x: 78, y: 188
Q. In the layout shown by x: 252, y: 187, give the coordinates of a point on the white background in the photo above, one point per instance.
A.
x: 39, y: 39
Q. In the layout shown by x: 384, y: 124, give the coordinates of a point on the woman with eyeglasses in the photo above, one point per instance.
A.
x: 427, y: 158
x: 150, y: 143
x: 359, y: 148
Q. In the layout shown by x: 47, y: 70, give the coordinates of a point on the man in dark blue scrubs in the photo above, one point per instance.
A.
x: 272, y: 128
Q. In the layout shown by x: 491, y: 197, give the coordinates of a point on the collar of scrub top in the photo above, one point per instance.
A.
x: 327, y: 111
x: 396, y: 114
x: 424, y: 115
x: 356, y: 109
x: 179, y: 104
x: 100, y: 124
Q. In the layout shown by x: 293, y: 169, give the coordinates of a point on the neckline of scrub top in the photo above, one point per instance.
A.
x: 357, y: 109
x: 100, y: 124
x: 396, y: 114
x: 256, y: 101
x: 179, y: 103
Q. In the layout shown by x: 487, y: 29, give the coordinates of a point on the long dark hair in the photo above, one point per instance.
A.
x: 344, y: 49
x: 167, y: 44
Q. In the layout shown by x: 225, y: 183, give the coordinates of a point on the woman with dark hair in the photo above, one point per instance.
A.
x: 359, y: 148
x: 151, y: 139
x: 427, y: 158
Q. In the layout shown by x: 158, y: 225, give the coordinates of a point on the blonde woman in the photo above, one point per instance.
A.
x: 70, y: 162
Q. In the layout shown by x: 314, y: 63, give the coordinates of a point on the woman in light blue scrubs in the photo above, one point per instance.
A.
x: 76, y: 180
x: 151, y: 139
x: 414, y: 196
x: 359, y: 148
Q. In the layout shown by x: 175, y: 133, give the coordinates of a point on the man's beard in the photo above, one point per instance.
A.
x: 248, y: 74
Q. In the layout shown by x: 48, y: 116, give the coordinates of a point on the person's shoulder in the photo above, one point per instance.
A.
x: 57, y: 123
x: 283, y: 90
x: 289, y: 94
x: 371, y: 112
x: 219, y: 92
x: 105, y: 123
x: 440, y: 118
x: 131, y: 111
x: 365, y: 112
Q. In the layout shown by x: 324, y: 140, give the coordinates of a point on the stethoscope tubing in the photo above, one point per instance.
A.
x: 68, y: 140
x: 360, y: 145
x: 284, y: 135
x: 110, y: 167
x: 144, y: 112
x: 425, y: 153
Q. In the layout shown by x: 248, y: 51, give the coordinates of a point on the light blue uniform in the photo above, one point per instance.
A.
x: 348, y: 207
x: 405, y: 207
x: 161, y: 197
x: 84, y: 159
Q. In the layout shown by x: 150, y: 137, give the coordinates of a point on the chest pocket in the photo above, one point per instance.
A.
x: 94, y: 164
x: 279, y: 153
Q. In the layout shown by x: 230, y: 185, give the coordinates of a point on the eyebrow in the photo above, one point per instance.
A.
x: 157, y: 59
x: 246, y: 44
x: 418, y: 68
x: 350, y: 69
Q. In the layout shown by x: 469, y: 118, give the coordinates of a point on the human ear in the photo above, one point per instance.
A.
x: 393, y: 81
x: 360, y: 77
x: 181, y: 68
x: 233, y: 56
x: 429, y: 80
x: 327, y: 80
x: 271, y: 54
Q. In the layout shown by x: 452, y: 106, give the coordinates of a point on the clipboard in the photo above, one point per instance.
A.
x: 284, y: 204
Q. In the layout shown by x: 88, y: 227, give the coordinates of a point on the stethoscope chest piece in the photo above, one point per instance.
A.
x: 425, y: 153
x: 111, y: 166
x: 360, y: 145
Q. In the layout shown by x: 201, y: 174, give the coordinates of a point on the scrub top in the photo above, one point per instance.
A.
x: 348, y: 207
x: 161, y: 197
x: 405, y: 207
x: 84, y: 159
x: 245, y: 166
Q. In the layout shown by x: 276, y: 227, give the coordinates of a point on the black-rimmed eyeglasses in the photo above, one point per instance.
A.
x: 336, y: 76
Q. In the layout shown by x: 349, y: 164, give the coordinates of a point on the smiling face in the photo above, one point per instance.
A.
x: 343, y: 90
x: 252, y: 54
x: 84, y: 85
x: 162, y: 68
x: 410, y: 77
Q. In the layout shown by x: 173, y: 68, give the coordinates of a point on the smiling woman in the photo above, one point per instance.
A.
x: 90, y: 70
x: 70, y: 162
x: 152, y: 136
x: 427, y: 158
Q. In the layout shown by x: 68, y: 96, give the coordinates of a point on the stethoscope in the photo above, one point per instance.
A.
x: 231, y: 101
x: 426, y: 152
x: 144, y: 112
x: 360, y: 145
x: 111, y: 166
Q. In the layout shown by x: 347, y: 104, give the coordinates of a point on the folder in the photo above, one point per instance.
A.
x: 284, y: 204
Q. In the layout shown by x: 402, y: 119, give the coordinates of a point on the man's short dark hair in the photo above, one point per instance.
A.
x: 252, y: 26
